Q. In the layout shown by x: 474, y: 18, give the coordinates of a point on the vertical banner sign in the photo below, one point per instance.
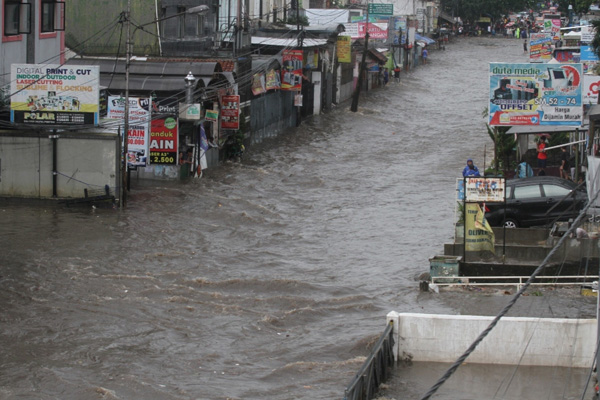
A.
x: 479, y: 235
x: 540, y: 47
x: 535, y: 94
x: 230, y: 112
x: 163, y: 141
x: 552, y: 26
x: 54, y: 94
x: 139, y: 126
x: 591, y: 85
x: 291, y: 71
x: 344, y: 52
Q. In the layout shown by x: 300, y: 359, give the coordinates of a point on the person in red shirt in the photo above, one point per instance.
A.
x: 541, y: 152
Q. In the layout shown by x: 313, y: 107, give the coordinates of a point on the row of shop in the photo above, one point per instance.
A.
x: 190, y: 112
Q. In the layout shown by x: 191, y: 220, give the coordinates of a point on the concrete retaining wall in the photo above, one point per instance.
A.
x: 524, y: 341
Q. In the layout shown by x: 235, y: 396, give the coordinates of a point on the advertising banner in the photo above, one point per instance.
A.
x: 54, y: 94
x: 163, y: 141
x: 139, y: 126
x: 230, y: 112
x: 535, y: 94
x: 273, y: 80
x: 587, y: 34
x: 485, y: 190
x: 291, y: 71
x: 211, y: 115
x: 540, y: 47
x: 344, y: 51
x: 479, y: 236
x: 591, y: 84
x: 553, y: 27
x: 258, y: 84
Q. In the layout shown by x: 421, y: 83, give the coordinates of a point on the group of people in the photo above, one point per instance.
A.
x: 524, y: 170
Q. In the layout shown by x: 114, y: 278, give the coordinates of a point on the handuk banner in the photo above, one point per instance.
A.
x: 535, y: 94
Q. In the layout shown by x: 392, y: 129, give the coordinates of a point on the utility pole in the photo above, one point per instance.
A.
x: 354, y: 106
x: 126, y: 112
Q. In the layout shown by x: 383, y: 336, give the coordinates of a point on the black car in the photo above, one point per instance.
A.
x: 539, y: 200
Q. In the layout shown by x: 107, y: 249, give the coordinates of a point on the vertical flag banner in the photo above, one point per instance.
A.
x: 535, y: 94
x: 344, y: 53
x: 479, y: 235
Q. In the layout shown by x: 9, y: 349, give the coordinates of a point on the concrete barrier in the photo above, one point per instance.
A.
x: 525, y: 341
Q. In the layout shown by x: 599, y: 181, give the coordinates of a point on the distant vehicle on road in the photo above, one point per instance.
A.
x: 536, y: 201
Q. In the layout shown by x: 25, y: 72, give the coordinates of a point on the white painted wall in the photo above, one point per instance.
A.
x: 525, y: 341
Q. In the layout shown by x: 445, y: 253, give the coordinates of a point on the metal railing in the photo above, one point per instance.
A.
x: 375, y: 370
x: 556, y: 280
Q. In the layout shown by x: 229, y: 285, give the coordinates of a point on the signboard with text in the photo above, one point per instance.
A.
x: 54, y: 95
x: 535, y: 94
x: 540, y: 47
x: 484, y: 190
x: 230, y: 112
x: 163, y: 141
x: 381, y: 9
x: 139, y: 126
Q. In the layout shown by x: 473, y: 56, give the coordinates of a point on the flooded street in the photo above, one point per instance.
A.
x: 266, y: 279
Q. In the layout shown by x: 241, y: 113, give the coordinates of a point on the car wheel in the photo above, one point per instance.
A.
x: 510, y: 223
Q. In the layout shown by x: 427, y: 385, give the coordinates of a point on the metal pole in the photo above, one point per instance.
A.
x: 54, y: 164
x: 354, y: 106
x: 125, y: 185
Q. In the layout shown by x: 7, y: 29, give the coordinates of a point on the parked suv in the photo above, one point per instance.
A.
x: 529, y: 200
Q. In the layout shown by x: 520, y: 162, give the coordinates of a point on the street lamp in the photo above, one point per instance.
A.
x: 190, y: 11
x: 190, y: 80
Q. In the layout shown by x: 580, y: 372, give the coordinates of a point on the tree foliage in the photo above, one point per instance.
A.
x: 471, y: 10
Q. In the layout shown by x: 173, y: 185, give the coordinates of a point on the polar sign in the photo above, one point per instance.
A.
x: 54, y: 94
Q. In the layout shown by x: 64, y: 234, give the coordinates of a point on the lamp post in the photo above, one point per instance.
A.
x: 191, y: 11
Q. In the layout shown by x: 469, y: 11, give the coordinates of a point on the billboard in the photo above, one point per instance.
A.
x: 54, y: 95
x: 540, y: 47
x: 230, y: 112
x: 291, y: 70
x: 552, y: 26
x: 535, y: 94
x: 163, y: 141
x: 139, y: 126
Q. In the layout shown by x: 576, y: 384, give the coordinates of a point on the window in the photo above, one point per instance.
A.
x: 555, y: 191
x: 181, y: 27
x: 17, y: 18
x: 51, y: 16
x: 527, y: 192
x: 200, y: 25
